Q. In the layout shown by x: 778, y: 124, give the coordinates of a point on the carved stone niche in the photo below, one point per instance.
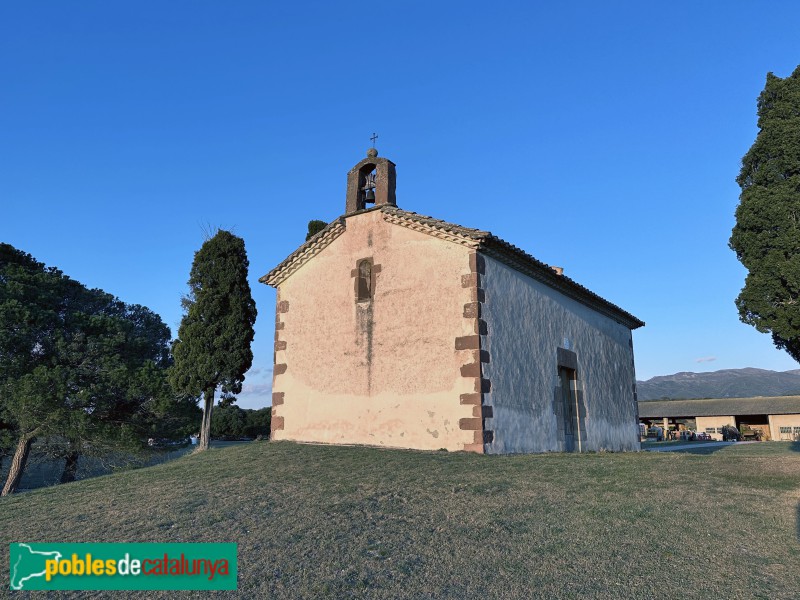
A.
x: 385, y: 182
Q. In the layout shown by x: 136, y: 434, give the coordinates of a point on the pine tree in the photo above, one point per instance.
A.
x: 766, y: 237
x: 213, y: 346
x: 75, y: 363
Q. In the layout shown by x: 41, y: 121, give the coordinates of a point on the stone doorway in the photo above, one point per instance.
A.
x: 570, y: 413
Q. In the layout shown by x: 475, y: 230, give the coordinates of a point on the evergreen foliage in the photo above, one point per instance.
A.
x: 234, y: 422
x: 75, y: 363
x: 213, y: 346
x: 314, y: 227
x: 766, y: 237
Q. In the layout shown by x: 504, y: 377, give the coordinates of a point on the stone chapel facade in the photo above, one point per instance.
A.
x: 396, y: 329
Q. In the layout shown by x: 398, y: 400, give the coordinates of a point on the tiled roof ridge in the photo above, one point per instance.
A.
x: 470, y: 232
x: 520, y: 260
x: 319, y: 241
x: 477, y: 239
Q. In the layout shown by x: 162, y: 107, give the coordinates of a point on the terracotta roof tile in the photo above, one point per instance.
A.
x: 479, y: 239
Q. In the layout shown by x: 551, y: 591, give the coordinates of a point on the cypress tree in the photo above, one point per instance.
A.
x: 766, y: 237
x: 213, y: 346
x: 314, y: 227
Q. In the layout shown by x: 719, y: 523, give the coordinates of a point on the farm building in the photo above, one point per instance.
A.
x: 778, y: 418
x: 397, y: 329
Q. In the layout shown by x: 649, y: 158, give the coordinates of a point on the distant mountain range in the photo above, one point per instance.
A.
x: 728, y: 383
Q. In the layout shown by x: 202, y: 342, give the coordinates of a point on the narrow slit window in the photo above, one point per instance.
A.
x: 364, y: 285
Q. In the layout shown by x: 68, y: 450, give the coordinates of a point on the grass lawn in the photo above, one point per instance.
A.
x: 338, y: 522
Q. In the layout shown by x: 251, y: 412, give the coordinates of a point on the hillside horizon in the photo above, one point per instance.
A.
x: 725, y: 383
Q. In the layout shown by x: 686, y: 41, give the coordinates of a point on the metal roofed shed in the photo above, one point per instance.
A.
x: 778, y: 418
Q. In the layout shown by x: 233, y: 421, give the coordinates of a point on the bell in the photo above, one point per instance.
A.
x: 370, y: 197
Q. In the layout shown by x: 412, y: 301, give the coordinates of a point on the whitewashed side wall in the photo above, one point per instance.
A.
x: 527, y: 322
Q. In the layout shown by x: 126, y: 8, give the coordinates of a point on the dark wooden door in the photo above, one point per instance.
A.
x: 567, y: 377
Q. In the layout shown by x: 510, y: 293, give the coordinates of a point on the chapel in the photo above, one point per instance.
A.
x: 401, y: 330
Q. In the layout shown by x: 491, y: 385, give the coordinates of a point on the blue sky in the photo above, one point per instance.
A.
x: 601, y: 137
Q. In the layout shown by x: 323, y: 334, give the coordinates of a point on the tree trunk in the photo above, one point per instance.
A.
x: 17, y: 464
x: 205, y: 431
x: 70, y: 467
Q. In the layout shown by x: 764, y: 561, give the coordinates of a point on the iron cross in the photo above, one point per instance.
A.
x: 373, y: 138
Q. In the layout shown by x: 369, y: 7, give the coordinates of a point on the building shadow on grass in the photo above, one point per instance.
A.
x: 700, y: 450
x: 710, y: 449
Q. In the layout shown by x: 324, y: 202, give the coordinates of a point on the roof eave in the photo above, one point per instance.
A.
x: 298, y: 258
x: 525, y: 263
x: 477, y: 239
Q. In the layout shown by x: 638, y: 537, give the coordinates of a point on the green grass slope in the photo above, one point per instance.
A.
x: 339, y: 522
